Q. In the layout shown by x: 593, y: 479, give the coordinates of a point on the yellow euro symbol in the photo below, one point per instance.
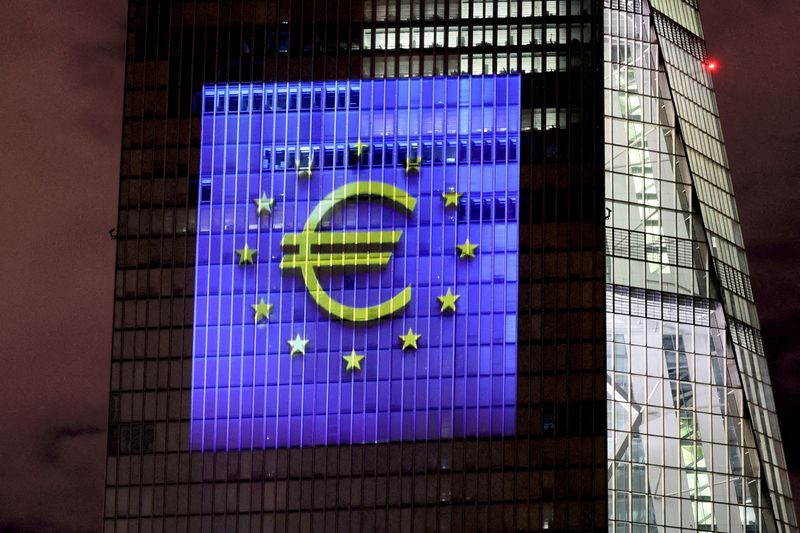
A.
x: 357, y: 249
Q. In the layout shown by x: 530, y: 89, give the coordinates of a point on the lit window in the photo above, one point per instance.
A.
x: 526, y: 62
x: 502, y: 36
x: 502, y: 63
x: 428, y: 37
x: 527, y: 8
x: 512, y: 35
x: 380, y: 39
x: 415, y: 37
x: 537, y: 119
x: 502, y: 8
x: 452, y: 37
x: 405, y: 38
x: 527, y: 35
x: 537, y: 62
x: 477, y: 36
x: 551, y: 34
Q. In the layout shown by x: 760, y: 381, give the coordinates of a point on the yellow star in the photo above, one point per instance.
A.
x: 412, y: 165
x: 246, y: 255
x: 410, y: 339
x: 448, y: 301
x: 264, y: 204
x: 262, y: 309
x: 353, y: 360
x: 360, y: 147
x: 298, y: 345
x: 451, y: 198
x: 467, y: 249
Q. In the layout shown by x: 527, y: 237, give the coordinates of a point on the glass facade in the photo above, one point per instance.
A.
x: 303, y: 340
x: 693, y: 441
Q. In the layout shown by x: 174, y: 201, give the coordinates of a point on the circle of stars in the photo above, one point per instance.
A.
x: 409, y: 341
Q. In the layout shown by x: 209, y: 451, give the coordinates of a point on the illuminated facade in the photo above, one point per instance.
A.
x: 377, y: 300
x: 378, y: 269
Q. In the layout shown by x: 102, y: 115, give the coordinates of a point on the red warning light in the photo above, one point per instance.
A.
x: 712, y: 65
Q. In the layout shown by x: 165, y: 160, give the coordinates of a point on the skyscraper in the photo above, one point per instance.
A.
x: 432, y: 265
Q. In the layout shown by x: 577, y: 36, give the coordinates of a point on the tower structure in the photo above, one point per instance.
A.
x: 432, y: 265
x: 693, y: 436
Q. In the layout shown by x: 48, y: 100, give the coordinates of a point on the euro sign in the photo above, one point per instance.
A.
x: 310, y: 250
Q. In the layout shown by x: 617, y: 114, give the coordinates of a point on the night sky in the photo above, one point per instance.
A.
x: 61, y: 108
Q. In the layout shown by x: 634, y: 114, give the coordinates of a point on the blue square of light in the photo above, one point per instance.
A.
x: 357, y: 261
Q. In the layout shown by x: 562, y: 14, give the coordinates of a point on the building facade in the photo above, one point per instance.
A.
x: 432, y: 265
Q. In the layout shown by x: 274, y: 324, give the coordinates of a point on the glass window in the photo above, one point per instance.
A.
x: 428, y: 35
x: 502, y: 8
x: 405, y: 10
x: 527, y: 35
x: 415, y: 37
x: 405, y: 38
x: 527, y: 8
x: 380, y: 39
x: 537, y: 119
x: 452, y: 38
x: 477, y: 36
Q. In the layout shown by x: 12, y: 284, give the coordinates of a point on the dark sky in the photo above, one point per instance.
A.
x: 60, y: 106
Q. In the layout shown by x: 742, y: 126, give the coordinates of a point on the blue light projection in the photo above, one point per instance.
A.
x: 357, y: 260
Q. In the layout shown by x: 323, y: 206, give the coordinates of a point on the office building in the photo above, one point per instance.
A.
x: 432, y: 265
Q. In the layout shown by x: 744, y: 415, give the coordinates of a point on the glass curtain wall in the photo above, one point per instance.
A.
x: 681, y: 446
